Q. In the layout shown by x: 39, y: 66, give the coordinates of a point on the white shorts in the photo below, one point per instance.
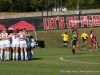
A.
x: 15, y: 44
x: 1, y: 44
x: 6, y: 43
x: 32, y: 44
x: 23, y: 44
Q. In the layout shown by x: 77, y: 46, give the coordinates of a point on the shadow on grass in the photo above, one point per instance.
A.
x: 38, y: 58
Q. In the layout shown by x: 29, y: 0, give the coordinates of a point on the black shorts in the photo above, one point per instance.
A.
x: 84, y: 40
x: 65, y: 41
x: 74, y: 42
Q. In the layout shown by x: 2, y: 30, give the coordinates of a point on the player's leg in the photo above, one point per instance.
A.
x: 17, y: 48
x: 13, y: 54
x: 73, y: 46
x: 25, y: 50
x: 78, y: 46
x: 1, y: 53
x: 13, y: 51
x: 91, y: 43
x: 8, y: 49
x: 7, y: 53
x: 32, y: 51
x: 85, y: 42
x: 65, y: 44
x: 21, y: 49
x: 1, y: 50
x: 95, y: 45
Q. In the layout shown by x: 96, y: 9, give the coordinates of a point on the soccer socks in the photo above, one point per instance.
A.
x: 13, y: 56
x: 1, y: 54
x: 84, y: 45
x: 78, y: 47
x: 21, y: 55
x: 25, y: 55
x: 31, y: 54
x: 94, y: 47
x: 7, y: 55
x: 66, y: 45
x: 16, y: 56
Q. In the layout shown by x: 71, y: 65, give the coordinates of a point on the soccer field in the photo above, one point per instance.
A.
x: 55, y: 61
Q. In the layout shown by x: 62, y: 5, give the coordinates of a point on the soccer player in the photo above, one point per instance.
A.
x: 28, y: 42
x: 77, y: 35
x: 32, y: 46
x: 15, y: 44
x: 1, y: 47
x: 6, y: 38
x: 74, y: 39
x: 84, y: 36
x: 10, y: 31
x: 65, y: 39
x: 23, y: 45
x: 92, y: 41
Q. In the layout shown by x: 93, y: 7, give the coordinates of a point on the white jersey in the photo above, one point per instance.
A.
x: 22, y: 41
x: 15, y: 38
x: 15, y: 41
x: 22, y: 35
x: 4, y: 35
x: 6, y: 42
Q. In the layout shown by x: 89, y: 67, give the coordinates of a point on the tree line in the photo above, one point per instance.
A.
x: 39, y: 5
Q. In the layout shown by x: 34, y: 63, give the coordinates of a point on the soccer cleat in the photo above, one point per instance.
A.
x: 90, y: 50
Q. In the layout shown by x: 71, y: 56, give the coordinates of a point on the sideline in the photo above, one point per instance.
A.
x: 62, y: 58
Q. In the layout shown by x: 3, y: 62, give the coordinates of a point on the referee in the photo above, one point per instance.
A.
x: 74, y: 38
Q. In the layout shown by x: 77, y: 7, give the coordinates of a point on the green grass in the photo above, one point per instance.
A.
x: 47, y: 62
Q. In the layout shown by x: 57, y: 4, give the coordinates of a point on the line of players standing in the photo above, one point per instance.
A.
x: 18, y: 44
x: 75, y: 36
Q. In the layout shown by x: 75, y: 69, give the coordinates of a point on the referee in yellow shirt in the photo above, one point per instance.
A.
x: 84, y: 36
x: 65, y: 39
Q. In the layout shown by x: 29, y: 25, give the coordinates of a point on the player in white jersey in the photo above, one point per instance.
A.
x: 23, y: 45
x: 32, y: 45
x: 15, y: 44
x: 1, y: 47
x: 6, y: 41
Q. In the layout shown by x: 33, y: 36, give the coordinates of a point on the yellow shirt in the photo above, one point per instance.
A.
x: 65, y: 37
x: 84, y: 35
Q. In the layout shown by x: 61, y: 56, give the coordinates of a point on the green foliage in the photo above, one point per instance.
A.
x: 33, y: 5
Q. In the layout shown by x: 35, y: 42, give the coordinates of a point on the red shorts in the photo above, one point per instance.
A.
x: 91, y: 41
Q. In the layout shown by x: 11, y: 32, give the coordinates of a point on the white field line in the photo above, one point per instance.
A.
x: 62, y: 58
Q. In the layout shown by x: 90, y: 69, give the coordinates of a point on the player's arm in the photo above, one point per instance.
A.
x: 16, y: 35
